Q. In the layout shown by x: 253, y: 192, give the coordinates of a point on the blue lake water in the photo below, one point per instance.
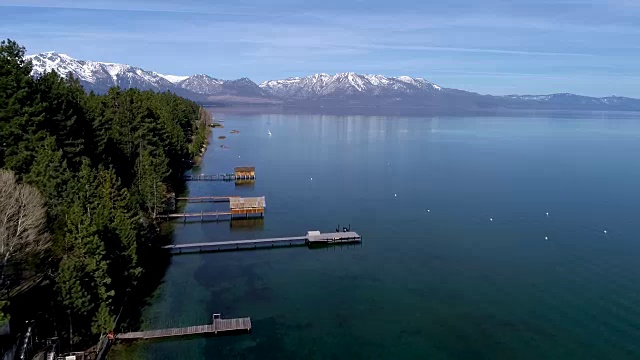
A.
x: 459, y: 259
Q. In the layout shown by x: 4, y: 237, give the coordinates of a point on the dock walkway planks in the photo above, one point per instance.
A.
x: 200, y: 214
x: 332, y: 238
x: 219, y: 326
x: 318, y: 239
x: 218, y: 177
x: 201, y: 199
x: 215, y: 215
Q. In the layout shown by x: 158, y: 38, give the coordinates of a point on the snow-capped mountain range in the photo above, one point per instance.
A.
x: 343, y: 89
x: 100, y: 76
x: 349, y: 83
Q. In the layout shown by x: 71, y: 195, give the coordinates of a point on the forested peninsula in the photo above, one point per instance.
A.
x: 82, y: 176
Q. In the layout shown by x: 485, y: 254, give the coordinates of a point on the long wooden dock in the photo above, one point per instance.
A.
x: 202, y: 199
x: 210, y: 215
x: 311, y: 239
x: 238, y: 206
x: 218, y: 326
x: 239, y: 173
x: 215, y: 177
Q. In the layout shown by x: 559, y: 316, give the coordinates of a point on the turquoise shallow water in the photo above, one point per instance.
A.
x: 435, y: 277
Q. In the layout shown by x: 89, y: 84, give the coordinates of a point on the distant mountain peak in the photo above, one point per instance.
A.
x: 173, y: 78
x: 201, y: 76
x: 55, y: 54
x: 347, y: 83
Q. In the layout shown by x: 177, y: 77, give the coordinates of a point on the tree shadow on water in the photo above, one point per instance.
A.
x: 155, y: 261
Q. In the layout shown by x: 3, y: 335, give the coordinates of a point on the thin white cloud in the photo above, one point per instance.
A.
x: 392, y: 21
x: 470, y: 50
x: 287, y: 50
x: 407, y: 22
x: 275, y: 41
x: 528, y: 75
x: 150, y: 6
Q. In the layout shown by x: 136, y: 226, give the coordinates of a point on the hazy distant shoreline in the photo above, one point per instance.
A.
x: 413, y: 111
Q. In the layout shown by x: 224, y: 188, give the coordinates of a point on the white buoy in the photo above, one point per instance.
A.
x: 547, y: 214
x: 396, y: 195
x: 428, y: 211
x: 311, y: 179
x: 605, y: 231
x: 546, y: 238
x: 490, y: 219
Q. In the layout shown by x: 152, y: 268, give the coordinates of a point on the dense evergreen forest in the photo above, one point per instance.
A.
x: 81, y: 178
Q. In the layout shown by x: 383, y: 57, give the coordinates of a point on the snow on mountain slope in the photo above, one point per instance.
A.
x: 323, y: 85
x: 173, y: 78
x: 99, y: 76
x: 202, y: 84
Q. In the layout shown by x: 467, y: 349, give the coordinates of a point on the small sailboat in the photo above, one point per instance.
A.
x: 269, y: 132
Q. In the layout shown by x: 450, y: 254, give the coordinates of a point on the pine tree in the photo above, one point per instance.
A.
x: 150, y: 174
x: 16, y: 104
x: 49, y: 173
x: 83, y: 282
x: 118, y: 225
x: 64, y: 115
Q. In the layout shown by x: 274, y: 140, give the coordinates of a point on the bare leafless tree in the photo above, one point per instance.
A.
x: 205, y: 116
x: 23, y: 219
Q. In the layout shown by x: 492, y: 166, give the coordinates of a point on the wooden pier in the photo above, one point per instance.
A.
x: 210, y: 215
x: 239, y: 173
x: 218, y: 326
x: 203, y: 199
x: 313, y: 238
x: 216, y: 177
x: 238, y: 206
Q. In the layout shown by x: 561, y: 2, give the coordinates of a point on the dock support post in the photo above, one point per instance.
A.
x: 202, y: 216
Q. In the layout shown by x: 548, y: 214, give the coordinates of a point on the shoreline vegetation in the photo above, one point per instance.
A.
x: 201, y: 138
x: 90, y: 172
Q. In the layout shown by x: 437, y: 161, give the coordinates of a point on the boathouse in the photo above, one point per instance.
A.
x: 245, y: 172
x: 252, y: 205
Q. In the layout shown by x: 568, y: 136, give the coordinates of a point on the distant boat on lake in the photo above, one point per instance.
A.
x: 269, y: 132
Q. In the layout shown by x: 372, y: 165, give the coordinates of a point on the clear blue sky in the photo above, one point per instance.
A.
x: 589, y: 47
